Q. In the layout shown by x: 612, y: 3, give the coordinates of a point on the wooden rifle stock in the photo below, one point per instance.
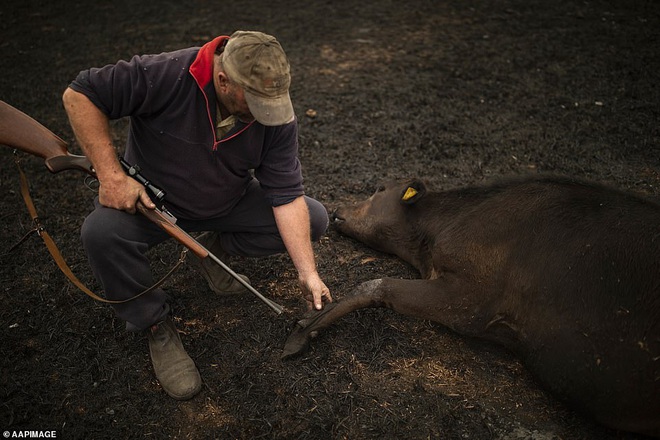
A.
x: 55, y: 164
x: 167, y: 224
x: 20, y: 131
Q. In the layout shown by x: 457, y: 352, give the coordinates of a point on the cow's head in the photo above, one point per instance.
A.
x: 382, y: 221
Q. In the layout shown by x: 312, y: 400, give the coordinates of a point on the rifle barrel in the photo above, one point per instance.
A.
x: 273, y: 305
x: 165, y: 223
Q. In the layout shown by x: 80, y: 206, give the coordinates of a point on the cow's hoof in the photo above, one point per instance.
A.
x: 302, y: 333
x: 296, y: 343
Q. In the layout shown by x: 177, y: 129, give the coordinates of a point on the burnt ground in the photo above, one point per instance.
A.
x: 456, y: 92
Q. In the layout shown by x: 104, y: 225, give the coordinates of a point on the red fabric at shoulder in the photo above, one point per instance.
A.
x: 202, y: 68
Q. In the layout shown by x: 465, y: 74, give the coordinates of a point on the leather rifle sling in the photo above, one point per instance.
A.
x: 59, y: 259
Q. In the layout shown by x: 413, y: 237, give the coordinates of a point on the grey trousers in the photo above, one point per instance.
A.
x: 116, y: 243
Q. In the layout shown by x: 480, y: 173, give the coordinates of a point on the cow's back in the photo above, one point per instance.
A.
x: 570, y: 270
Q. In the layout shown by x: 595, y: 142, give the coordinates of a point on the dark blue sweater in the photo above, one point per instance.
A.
x: 171, y: 102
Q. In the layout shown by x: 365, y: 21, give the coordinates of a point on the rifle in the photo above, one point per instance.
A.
x: 20, y: 131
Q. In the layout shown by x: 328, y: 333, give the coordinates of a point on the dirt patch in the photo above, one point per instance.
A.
x: 454, y: 92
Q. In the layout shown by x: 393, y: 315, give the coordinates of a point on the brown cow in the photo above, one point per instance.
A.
x: 564, y: 273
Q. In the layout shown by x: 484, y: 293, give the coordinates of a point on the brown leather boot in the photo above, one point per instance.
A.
x: 218, y: 279
x: 174, y: 369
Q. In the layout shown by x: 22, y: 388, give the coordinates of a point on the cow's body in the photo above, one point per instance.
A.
x: 565, y: 274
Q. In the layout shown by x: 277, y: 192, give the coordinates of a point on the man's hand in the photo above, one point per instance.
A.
x: 293, y: 223
x: 314, y: 291
x: 123, y: 193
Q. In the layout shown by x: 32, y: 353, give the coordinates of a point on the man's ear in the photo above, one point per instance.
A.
x: 223, y: 80
x: 414, y: 191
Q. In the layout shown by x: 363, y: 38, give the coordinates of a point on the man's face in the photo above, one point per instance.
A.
x: 232, y: 97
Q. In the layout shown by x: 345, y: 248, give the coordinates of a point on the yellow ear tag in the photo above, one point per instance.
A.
x: 410, y: 193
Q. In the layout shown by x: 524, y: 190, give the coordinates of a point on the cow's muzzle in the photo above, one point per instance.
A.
x: 336, y: 217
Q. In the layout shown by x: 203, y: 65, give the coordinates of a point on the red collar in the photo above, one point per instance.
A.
x: 202, y: 68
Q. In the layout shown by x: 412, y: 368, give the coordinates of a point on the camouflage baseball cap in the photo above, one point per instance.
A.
x: 257, y: 62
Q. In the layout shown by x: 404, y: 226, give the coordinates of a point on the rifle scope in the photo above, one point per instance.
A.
x: 134, y: 172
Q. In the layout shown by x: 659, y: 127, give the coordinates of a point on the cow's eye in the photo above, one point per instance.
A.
x: 380, y: 188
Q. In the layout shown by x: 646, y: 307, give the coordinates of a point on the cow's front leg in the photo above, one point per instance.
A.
x: 366, y: 295
x: 438, y: 300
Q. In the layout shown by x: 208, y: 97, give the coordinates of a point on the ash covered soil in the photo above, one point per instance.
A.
x: 455, y: 92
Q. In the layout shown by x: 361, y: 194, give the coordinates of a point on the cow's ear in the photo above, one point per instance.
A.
x: 414, y: 191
